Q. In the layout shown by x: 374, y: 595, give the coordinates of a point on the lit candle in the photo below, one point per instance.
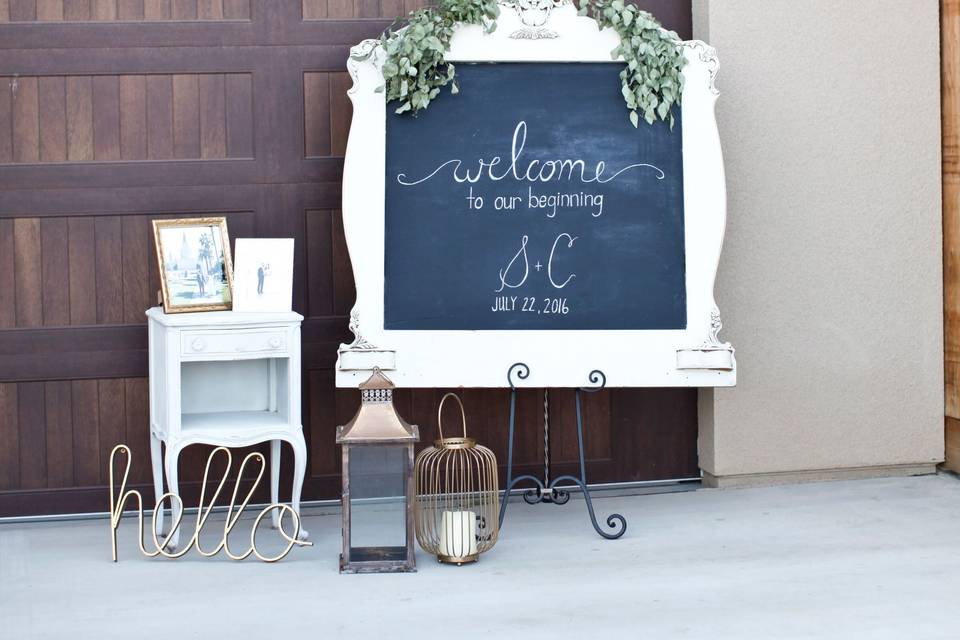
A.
x: 458, y: 534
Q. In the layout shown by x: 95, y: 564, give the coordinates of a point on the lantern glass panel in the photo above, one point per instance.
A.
x: 378, y: 504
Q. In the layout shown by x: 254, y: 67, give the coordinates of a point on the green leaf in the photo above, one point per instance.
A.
x: 663, y: 110
x: 635, y: 119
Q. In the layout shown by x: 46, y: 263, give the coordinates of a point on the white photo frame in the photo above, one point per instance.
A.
x: 690, y: 357
x: 263, y: 275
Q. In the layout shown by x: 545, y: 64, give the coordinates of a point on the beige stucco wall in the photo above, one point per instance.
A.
x: 830, y: 281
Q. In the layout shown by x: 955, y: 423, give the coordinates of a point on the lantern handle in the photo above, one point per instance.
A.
x: 463, y: 416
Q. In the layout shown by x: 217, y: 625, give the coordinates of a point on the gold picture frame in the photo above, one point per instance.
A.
x: 196, y: 275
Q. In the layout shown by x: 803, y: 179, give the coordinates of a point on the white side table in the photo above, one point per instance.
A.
x: 229, y: 379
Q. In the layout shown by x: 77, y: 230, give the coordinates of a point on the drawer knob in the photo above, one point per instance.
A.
x: 274, y: 343
x: 197, y: 344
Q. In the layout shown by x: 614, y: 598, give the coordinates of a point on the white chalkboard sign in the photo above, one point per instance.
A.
x: 526, y: 220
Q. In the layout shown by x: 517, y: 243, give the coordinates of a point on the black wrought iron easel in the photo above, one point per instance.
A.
x: 548, y: 490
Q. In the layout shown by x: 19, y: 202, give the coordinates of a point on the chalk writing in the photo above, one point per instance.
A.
x: 535, y: 171
x: 526, y: 267
x: 570, y: 241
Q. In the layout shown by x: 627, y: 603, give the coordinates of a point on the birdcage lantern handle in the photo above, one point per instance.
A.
x: 463, y: 415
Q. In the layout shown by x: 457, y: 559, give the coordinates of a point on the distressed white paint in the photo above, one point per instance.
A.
x: 224, y: 378
x: 690, y: 357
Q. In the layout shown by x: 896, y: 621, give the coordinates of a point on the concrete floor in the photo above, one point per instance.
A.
x: 859, y: 559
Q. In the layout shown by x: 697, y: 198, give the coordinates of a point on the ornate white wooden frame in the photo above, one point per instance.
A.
x: 539, y: 31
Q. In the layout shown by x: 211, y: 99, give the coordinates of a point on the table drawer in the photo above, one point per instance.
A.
x: 238, y: 342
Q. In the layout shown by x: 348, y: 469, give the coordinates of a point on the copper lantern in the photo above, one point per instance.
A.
x: 377, y: 448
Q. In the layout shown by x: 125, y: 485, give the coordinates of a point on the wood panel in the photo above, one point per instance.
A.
x: 55, y: 271
x: 232, y: 107
x: 79, y: 97
x: 31, y: 420
x: 239, y: 115
x: 133, y: 116
x: 53, y: 113
x: 107, y: 110
x: 327, y: 112
x: 319, y: 236
x: 24, y: 119
x: 6, y: 115
x: 952, y: 444
x: 123, y: 10
x: 9, y: 438
x: 26, y: 272
x: 58, y: 410
x: 341, y: 111
x: 8, y: 296
x: 86, y: 432
x: 125, y: 117
x: 950, y: 91
x: 316, y: 126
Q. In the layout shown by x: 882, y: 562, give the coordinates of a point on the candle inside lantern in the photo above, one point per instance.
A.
x: 458, y: 534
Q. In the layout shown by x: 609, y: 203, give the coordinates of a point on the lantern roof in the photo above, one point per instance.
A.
x: 377, y: 421
x: 377, y: 381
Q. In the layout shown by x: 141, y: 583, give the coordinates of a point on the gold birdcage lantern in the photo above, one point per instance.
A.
x: 458, y: 499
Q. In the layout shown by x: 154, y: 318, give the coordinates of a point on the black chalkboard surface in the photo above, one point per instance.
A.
x: 529, y: 201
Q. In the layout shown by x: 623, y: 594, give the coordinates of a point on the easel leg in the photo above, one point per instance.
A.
x: 535, y: 494
x: 612, y: 519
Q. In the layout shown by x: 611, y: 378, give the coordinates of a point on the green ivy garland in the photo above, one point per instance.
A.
x: 414, y: 69
x: 653, y: 78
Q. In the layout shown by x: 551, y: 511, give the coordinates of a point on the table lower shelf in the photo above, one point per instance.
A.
x: 232, y: 422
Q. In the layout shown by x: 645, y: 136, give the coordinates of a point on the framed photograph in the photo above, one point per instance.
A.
x: 263, y: 279
x: 196, y: 273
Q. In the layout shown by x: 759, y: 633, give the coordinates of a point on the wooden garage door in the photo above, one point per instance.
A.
x: 115, y: 112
